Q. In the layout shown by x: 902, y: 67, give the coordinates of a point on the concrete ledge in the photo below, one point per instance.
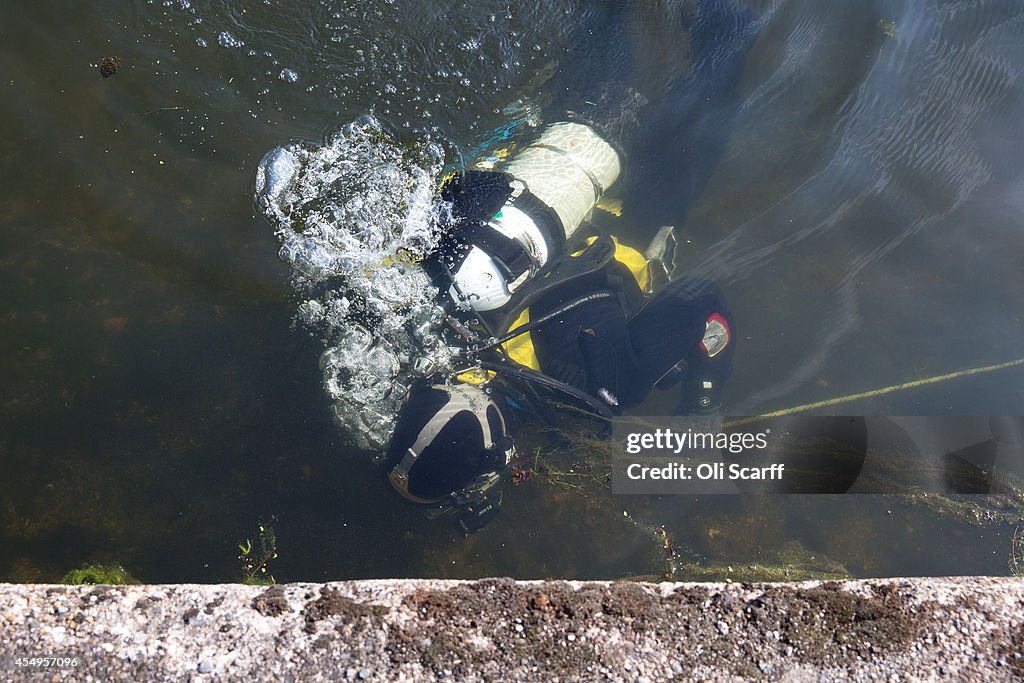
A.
x: 504, y: 630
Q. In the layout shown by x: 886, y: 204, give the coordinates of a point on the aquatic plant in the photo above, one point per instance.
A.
x: 256, y: 556
x: 93, y: 574
x: 577, y: 460
x: 792, y: 562
x: 1005, y: 508
x: 571, y: 456
x: 1017, y: 553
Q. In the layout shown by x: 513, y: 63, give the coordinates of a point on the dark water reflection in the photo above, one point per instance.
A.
x: 848, y: 171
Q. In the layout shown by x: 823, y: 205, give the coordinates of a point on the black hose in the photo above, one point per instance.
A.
x: 529, y: 375
x: 533, y: 324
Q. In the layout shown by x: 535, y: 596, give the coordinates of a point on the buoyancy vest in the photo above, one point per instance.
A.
x: 582, y: 336
x: 521, y: 349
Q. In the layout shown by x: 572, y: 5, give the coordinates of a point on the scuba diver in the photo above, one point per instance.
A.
x: 535, y: 308
x: 544, y: 310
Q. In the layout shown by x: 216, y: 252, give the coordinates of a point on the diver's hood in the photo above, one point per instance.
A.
x: 448, y: 438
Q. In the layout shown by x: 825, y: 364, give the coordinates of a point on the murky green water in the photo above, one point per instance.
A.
x: 849, y: 172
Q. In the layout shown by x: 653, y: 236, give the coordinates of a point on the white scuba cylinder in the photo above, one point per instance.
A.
x: 567, y: 169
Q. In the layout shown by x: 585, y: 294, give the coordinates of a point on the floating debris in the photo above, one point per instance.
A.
x: 109, y: 66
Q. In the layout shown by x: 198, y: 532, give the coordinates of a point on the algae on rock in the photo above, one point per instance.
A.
x: 91, y: 574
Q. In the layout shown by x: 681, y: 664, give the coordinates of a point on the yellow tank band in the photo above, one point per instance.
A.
x: 475, y: 376
x: 635, y: 261
x: 520, y: 349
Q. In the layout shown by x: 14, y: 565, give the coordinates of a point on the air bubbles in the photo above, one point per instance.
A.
x: 201, y: 42
x: 353, y: 216
x: 288, y: 75
x: 225, y: 39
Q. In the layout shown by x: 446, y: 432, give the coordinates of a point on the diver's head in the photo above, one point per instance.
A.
x: 449, y: 440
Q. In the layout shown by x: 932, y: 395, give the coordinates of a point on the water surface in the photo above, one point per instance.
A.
x: 849, y: 172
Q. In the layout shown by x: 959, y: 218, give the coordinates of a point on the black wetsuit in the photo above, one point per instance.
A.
x: 615, y: 348
x: 619, y: 347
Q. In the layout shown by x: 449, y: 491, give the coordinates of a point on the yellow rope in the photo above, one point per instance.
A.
x: 878, y: 392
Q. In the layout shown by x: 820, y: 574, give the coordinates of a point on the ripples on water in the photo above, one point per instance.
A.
x: 419, y: 65
x: 860, y: 139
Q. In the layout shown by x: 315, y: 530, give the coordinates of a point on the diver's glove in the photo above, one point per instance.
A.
x: 662, y: 250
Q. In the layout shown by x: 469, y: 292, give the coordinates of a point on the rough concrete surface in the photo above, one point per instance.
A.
x: 501, y: 630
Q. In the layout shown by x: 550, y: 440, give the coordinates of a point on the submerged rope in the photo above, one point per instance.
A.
x: 879, y: 392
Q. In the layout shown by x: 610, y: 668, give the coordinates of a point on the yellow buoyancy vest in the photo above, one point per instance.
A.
x: 520, y: 348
